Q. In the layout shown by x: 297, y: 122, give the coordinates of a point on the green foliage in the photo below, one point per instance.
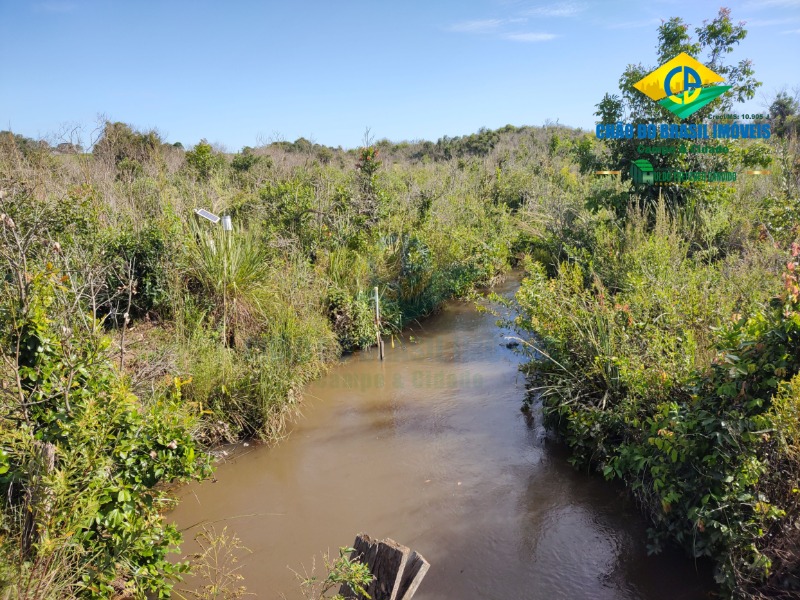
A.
x: 352, y: 318
x: 647, y: 368
x: 715, y: 40
x: 781, y: 216
x: 111, y: 452
x: 138, y: 257
x: 25, y: 145
x: 340, y: 571
x: 244, y: 318
x: 245, y: 160
x: 368, y: 162
x: 204, y: 160
x: 229, y: 270
x: 587, y: 153
x: 476, y: 144
x: 708, y: 450
x: 288, y: 209
x: 784, y: 114
x: 610, y: 109
x: 757, y: 155
x: 368, y: 202
x: 281, y: 340
x: 125, y: 147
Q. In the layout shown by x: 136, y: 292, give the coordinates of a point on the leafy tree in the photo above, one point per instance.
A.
x: 476, y: 144
x: 368, y: 203
x: 610, y: 109
x: 26, y: 145
x: 783, y: 114
x: 715, y: 39
x: 245, y: 160
x: 302, y: 145
x: 69, y: 148
x: 119, y: 141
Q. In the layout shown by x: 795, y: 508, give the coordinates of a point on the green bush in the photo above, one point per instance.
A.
x: 245, y: 160
x: 138, y: 257
x: 229, y: 272
x: 352, y: 318
x: 110, y: 453
x: 204, y: 160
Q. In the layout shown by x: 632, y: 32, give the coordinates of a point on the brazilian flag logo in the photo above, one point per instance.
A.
x: 682, y: 85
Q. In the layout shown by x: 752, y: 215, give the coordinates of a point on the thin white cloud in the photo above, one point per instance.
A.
x: 530, y: 37
x: 501, y: 29
x: 557, y: 9
x: 770, y: 22
x: 792, y: 31
x: 478, y: 26
x: 483, y: 25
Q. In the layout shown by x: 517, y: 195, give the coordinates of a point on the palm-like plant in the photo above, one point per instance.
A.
x: 231, y: 268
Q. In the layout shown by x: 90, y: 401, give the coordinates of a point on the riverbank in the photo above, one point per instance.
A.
x: 430, y: 448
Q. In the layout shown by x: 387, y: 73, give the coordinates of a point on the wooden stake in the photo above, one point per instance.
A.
x: 378, y: 323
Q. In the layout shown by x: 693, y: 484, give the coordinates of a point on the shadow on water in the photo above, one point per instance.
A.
x: 430, y: 448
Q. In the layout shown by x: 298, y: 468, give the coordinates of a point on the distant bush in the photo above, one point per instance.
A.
x: 204, y: 160
x: 245, y: 160
x: 119, y: 142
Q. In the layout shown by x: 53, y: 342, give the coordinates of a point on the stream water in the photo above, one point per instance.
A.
x: 429, y: 448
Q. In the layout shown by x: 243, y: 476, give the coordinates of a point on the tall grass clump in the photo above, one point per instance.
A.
x: 229, y: 272
x: 261, y: 337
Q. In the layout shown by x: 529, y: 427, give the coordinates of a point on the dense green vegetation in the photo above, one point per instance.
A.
x: 134, y: 335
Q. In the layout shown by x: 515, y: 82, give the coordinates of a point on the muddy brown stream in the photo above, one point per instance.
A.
x: 430, y: 449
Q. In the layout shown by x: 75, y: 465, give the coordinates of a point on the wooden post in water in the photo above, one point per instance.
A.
x: 398, y: 570
x: 378, y: 323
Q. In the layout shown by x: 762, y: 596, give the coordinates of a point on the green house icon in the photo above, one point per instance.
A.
x: 642, y: 171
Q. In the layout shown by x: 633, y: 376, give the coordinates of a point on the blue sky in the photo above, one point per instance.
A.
x: 238, y: 73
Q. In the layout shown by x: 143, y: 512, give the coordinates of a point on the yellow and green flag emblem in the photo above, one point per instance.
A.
x: 682, y: 85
